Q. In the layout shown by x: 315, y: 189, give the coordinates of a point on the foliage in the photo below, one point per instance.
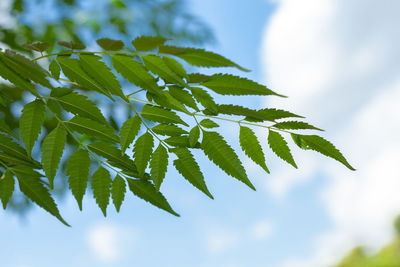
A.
x: 137, y: 153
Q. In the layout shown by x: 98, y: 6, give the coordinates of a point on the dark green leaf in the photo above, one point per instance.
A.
x: 92, y: 128
x: 55, y: 69
x: 110, y: 44
x: 161, y: 115
x: 6, y: 187
x: 183, y: 96
x: 118, y: 190
x: 180, y: 141
x: 147, y: 43
x: 205, y: 99
x: 38, y: 46
x: 101, y: 185
x: 295, y: 125
x: 78, y: 171
x: 175, y: 66
x: 30, y: 123
x: 194, y: 136
x: 60, y: 91
x: 9, y: 146
x: 157, y: 66
x: 207, y: 123
x: 72, y: 45
x: 280, y: 147
x: 142, y: 152
x: 169, y: 130
x: 4, y: 128
x: 197, y: 78
x: 251, y: 146
x: 158, y: 165
x: 129, y: 131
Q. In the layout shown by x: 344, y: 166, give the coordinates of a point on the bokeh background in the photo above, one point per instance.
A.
x: 337, y: 60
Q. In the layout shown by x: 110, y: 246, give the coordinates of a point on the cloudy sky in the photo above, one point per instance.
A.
x: 338, y: 61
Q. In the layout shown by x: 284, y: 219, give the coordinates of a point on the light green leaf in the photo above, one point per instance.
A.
x: 92, y: 128
x: 190, y: 170
x: 219, y: 152
x: 60, y: 91
x: 33, y: 188
x: 30, y: 123
x: 142, y: 152
x: 55, y: 69
x: 169, y: 130
x: 146, y: 191
x: 78, y: 171
x: 199, y: 57
x: 52, y: 150
x: 101, y: 186
x: 197, y: 78
x: 207, y: 123
x: 205, y: 99
x: 280, y: 147
x: 319, y: 144
x: 295, y: 125
x: 101, y: 73
x: 194, y: 136
x: 161, y: 115
x: 134, y: 72
x: 158, y: 165
x: 110, y: 44
x: 129, y: 131
x: 166, y: 100
x: 118, y: 190
x: 175, y: 66
x: 183, y: 96
x: 250, y: 145
x: 157, y: 66
x: 147, y: 43
x: 6, y: 187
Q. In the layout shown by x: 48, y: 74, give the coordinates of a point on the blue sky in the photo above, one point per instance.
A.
x: 304, y: 217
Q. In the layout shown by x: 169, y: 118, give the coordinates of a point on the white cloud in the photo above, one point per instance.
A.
x: 261, y: 230
x: 107, y: 241
x: 218, y: 241
x: 339, y: 61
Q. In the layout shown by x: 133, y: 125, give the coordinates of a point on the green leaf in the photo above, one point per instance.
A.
x: 23, y: 170
x: 169, y: 130
x: 101, y: 185
x: 147, y: 43
x: 250, y: 145
x: 52, y: 150
x: 60, y: 91
x: 92, y: 128
x: 55, y: 69
x: 30, y: 123
x: 129, y: 131
x: 2, y: 102
x: 194, y: 136
x: 158, y: 165
x: 226, y: 84
x: 72, y: 69
x: 205, y: 99
x: 166, y: 100
x: 80, y: 105
x: 114, y: 156
x: 180, y: 141
x: 142, y: 151
x: 183, y: 96
x: 146, y: 191
x: 78, y: 171
x: 38, y: 46
x: 9, y: 146
x: 190, y: 170
x: 207, y: 123
x: 319, y: 144
x: 4, y: 128
x: 18, y: 161
x: 219, y: 152
x: 72, y: 45
x: 197, y: 78
x: 6, y: 188
x: 33, y: 188
x: 100, y: 72
x: 134, y: 72
x: 118, y: 190
x: 199, y: 57
x: 161, y: 115
x: 175, y: 66
x: 280, y: 147
x: 110, y: 44
x: 157, y: 66
x: 295, y: 125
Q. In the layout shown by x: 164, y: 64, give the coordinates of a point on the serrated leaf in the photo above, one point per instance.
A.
x: 118, y: 190
x: 38, y: 46
x: 194, y: 136
x: 158, y: 165
x: 175, y: 66
x: 250, y: 145
x: 92, y: 128
x: 4, y: 128
x: 180, y: 141
x: 279, y: 146
x: 129, y: 131
x: 55, y: 69
x: 166, y: 100
x: 134, y: 72
x: 72, y: 69
x: 60, y: 91
x: 190, y: 170
x: 319, y: 144
x: 18, y: 161
x: 295, y: 125
x: 33, y: 188
x: 161, y: 115
x: 80, y: 105
x: 157, y: 66
x: 183, y: 96
x: 72, y: 45
x: 9, y: 146
x: 100, y: 72
x: 169, y: 130
x: 146, y: 191
x: 207, y: 123
x: 219, y: 152
x: 142, y: 152
x: 101, y: 186
x: 147, y: 43
x: 30, y: 123
x: 52, y: 150
x: 110, y: 44
x: 6, y: 187
x: 25, y: 171
x: 197, y: 78
x: 204, y: 99
x: 78, y: 171
x: 199, y: 57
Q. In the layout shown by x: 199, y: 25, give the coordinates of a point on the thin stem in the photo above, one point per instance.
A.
x: 100, y: 52
x: 135, y: 92
x: 143, y: 101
